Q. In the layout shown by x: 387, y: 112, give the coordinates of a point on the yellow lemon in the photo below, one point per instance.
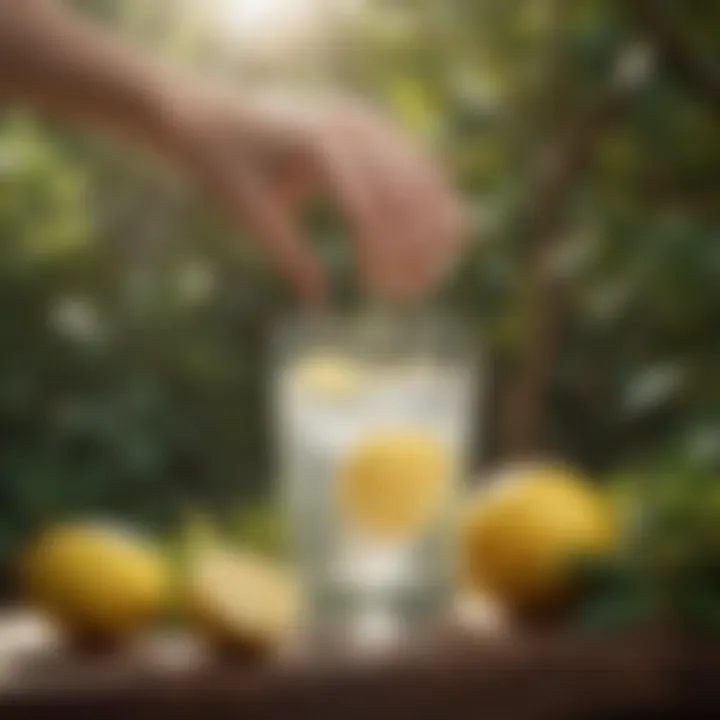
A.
x: 393, y: 483
x: 520, y: 536
x: 99, y: 582
x: 329, y: 375
x: 240, y: 601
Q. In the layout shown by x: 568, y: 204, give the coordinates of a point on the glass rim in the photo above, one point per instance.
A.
x: 436, y: 331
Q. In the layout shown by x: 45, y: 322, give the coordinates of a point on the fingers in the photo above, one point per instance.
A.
x: 405, y: 219
x: 407, y: 223
x: 291, y: 181
x: 352, y: 186
x: 262, y: 212
x: 266, y: 217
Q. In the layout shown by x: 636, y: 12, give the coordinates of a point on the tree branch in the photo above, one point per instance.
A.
x: 522, y: 417
x: 695, y: 71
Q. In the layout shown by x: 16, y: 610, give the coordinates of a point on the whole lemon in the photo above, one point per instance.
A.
x: 521, y: 535
x: 97, y: 581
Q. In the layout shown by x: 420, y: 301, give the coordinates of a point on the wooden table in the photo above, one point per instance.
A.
x: 457, y: 678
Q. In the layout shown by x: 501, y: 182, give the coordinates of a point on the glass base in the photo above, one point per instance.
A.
x: 373, y: 617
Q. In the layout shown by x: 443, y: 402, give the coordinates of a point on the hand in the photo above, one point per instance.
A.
x: 257, y: 159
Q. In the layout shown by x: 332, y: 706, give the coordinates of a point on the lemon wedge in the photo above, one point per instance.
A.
x: 241, y: 601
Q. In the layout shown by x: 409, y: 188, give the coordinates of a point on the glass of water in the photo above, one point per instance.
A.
x: 373, y: 421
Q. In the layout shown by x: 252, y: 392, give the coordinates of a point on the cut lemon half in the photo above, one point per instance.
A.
x: 241, y: 601
x: 394, y: 483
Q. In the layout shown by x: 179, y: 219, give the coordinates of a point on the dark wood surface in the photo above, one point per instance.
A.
x: 457, y: 677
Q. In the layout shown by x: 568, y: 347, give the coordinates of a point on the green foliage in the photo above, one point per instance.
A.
x: 613, y: 597
x: 668, y: 567
x: 131, y: 349
x: 133, y: 368
x: 260, y: 526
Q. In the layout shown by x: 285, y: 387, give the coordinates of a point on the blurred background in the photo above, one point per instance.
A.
x: 583, y: 133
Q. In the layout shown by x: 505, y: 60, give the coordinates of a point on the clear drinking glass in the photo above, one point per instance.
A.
x: 373, y: 422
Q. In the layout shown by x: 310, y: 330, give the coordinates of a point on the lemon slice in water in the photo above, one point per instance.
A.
x: 394, y: 483
x: 328, y: 375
